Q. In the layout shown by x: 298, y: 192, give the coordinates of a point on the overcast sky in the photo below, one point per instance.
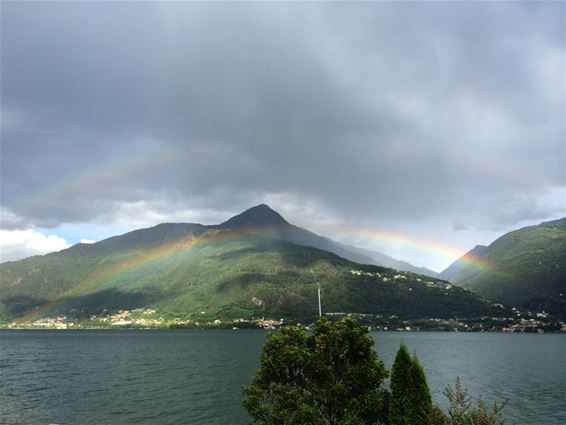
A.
x: 417, y: 129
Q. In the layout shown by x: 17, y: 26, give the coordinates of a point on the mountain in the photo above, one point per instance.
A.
x: 380, y: 259
x: 525, y: 267
x: 263, y: 220
x: 233, y: 270
x: 462, y: 262
x: 258, y: 217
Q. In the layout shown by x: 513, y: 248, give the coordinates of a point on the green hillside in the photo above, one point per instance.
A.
x: 461, y: 263
x: 525, y: 267
x: 193, y: 271
x: 262, y: 220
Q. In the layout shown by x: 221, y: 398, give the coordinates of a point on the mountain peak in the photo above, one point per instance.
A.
x: 477, y: 249
x: 256, y: 217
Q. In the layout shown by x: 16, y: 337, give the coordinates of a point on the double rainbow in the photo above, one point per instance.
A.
x: 93, y: 179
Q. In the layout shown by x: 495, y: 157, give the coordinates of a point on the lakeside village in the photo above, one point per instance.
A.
x: 148, y: 318
x: 510, y: 320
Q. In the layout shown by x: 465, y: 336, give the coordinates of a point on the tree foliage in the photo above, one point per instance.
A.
x: 420, y: 394
x: 411, y: 401
x: 332, y: 376
x: 462, y: 412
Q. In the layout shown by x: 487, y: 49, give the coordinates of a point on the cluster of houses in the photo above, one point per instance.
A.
x: 59, y: 322
x: 401, y: 276
x: 135, y: 318
x: 516, y: 321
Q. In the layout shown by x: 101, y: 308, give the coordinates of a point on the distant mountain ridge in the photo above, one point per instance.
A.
x: 271, y: 224
x: 248, y: 266
x: 525, y: 267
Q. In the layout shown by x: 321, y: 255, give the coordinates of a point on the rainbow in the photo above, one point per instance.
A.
x: 91, y: 179
x: 144, y: 258
x: 495, y: 171
x: 122, y: 267
x: 383, y: 236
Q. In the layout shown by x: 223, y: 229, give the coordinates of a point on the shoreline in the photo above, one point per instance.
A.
x: 149, y: 318
x: 217, y: 328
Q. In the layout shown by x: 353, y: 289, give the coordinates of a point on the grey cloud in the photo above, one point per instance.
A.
x: 376, y: 111
x: 458, y: 226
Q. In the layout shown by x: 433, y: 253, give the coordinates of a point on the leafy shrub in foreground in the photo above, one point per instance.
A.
x: 330, y: 377
x: 334, y: 377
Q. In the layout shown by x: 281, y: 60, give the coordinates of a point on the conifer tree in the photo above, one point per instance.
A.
x: 421, y: 402
x: 410, y: 402
x: 400, y: 411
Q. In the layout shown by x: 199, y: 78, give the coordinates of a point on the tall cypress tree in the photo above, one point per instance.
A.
x: 400, y: 411
x: 410, y: 402
x: 420, y: 393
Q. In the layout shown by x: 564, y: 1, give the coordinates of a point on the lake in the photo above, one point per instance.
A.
x: 195, y: 376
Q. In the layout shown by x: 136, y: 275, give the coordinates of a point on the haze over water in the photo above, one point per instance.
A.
x: 195, y: 377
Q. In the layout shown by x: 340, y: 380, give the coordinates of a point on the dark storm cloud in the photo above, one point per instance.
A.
x: 372, y: 110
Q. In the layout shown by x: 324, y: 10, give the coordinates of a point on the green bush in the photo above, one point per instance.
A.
x: 332, y: 376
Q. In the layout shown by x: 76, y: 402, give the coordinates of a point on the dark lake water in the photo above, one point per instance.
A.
x: 195, y: 377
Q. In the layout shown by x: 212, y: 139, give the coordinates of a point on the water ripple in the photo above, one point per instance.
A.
x: 195, y: 377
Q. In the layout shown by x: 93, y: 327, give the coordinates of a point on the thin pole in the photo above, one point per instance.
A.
x: 319, y: 305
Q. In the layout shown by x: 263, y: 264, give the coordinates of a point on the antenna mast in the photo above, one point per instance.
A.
x: 319, y: 304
